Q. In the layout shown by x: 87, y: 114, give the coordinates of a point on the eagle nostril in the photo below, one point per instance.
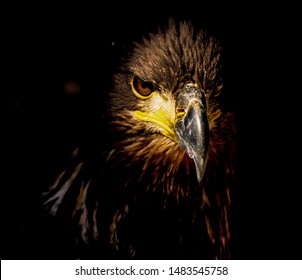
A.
x: 180, y: 112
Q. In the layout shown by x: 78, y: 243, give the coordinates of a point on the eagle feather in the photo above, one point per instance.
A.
x: 138, y: 194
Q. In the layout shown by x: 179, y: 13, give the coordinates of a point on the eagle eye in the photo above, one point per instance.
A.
x: 142, y: 89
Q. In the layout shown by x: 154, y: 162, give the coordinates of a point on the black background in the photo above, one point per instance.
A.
x: 46, y: 49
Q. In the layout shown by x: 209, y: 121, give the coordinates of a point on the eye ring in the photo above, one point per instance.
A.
x: 142, y: 89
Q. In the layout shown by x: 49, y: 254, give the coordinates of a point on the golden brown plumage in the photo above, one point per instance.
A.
x: 160, y: 185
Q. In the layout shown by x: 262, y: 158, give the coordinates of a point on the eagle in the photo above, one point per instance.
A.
x: 157, y: 181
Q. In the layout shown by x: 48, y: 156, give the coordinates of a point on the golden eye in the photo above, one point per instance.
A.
x: 141, y: 88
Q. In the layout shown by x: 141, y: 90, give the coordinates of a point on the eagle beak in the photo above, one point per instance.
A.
x: 192, y: 126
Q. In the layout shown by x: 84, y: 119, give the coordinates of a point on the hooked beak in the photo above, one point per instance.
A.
x: 192, y: 126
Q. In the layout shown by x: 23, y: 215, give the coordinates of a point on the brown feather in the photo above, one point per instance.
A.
x: 144, y: 174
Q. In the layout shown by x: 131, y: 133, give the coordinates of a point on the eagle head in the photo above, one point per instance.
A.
x: 164, y: 102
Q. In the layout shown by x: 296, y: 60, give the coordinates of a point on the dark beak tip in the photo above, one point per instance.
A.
x: 193, y: 132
